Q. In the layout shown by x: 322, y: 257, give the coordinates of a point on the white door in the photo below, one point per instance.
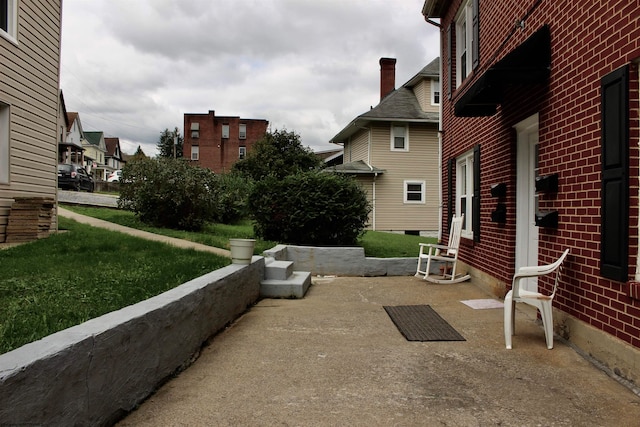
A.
x: 526, y: 198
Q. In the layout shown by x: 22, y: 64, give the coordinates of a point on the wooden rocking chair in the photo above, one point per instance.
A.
x: 447, y: 254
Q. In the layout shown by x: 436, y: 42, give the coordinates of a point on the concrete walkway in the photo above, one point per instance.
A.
x: 335, y: 358
x: 139, y: 233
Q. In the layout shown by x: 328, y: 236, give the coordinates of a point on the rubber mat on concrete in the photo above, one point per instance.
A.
x: 421, y: 323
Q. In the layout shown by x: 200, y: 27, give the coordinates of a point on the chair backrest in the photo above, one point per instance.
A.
x: 541, y: 270
x: 454, y: 235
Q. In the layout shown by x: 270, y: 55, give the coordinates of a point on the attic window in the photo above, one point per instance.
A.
x: 195, y: 130
x: 435, y: 92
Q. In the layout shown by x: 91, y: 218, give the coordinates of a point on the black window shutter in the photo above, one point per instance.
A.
x: 476, y: 194
x: 475, y: 48
x: 450, y: 166
x: 614, y: 239
x: 449, y: 61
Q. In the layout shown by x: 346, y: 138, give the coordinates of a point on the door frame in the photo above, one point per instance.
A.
x: 527, y: 235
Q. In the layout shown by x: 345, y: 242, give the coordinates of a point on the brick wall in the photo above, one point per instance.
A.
x: 588, y: 41
x: 217, y: 153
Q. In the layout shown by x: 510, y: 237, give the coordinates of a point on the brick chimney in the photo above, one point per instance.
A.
x: 387, y: 76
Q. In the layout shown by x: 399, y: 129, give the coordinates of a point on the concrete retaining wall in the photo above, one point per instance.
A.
x: 344, y: 261
x: 94, y: 373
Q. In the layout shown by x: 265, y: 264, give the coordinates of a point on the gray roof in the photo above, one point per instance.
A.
x: 399, y: 105
x: 359, y: 167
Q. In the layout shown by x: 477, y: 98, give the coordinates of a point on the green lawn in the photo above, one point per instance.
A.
x: 84, y: 272
x: 375, y: 243
x: 55, y: 283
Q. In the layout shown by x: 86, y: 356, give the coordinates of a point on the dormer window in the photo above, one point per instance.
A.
x: 195, y: 130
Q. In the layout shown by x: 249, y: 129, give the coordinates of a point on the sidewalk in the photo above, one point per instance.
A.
x: 139, y: 233
x: 335, y: 358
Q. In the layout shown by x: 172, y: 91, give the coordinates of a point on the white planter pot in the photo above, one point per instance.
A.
x: 241, y: 250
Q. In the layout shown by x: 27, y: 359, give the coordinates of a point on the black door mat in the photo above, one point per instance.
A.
x: 421, y: 323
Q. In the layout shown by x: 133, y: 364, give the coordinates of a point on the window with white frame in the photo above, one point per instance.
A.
x: 464, y: 192
x: 4, y: 143
x: 225, y: 131
x: 414, y: 192
x: 242, y: 153
x: 9, y: 19
x: 195, y: 152
x: 242, y: 131
x: 464, y: 41
x: 399, y: 137
x: 435, y: 92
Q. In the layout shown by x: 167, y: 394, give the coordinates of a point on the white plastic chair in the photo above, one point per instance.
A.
x: 542, y: 302
x: 448, y: 254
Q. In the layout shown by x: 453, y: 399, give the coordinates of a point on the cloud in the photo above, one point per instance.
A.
x: 134, y: 68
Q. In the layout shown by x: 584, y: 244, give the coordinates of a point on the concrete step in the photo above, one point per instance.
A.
x: 295, y: 286
x: 278, y: 270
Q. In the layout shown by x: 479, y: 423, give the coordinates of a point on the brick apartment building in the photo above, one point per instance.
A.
x: 540, y: 133
x: 217, y: 142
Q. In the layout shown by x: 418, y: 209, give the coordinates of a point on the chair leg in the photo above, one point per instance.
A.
x: 547, y: 322
x: 509, y: 314
x: 428, y: 269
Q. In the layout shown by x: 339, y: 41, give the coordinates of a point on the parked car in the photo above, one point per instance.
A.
x: 115, y: 176
x: 74, y: 177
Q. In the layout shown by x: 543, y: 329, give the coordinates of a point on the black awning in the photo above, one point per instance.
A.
x: 528, y: 64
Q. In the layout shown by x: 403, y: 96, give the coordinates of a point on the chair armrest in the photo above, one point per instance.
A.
x: 433, y: 245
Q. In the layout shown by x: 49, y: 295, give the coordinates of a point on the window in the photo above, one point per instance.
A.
x: 467, y: 33
x: 243, y: 131
x: 414, y: 192
x: 195, y: 152
x: 468, y: 192
x: 225, y: 131
x: 435, y: 92
x: 399, y: 138
x: 242, y: 153
x: 4, y: 143
x: 9, y: 19
x: 195, y: 130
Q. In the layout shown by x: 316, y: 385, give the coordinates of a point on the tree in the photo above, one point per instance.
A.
x: 166, y: 144
x: 279, y: 153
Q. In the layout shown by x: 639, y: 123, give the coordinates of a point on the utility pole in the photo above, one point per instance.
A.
x: 175, y: 143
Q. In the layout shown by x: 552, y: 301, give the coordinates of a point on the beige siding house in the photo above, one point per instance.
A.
x: 393, y: 150
x: 29, y: 101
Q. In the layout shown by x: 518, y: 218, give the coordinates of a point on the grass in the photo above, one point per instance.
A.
x: 375, y: 243
x: 71, y: 277
x: 55, y: 283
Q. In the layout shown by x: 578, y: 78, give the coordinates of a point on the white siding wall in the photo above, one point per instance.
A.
x: 29, y: 81
x: 423, y: 92
x: 420, y: 163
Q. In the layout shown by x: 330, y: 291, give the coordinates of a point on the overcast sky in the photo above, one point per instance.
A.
x: 133, y: 68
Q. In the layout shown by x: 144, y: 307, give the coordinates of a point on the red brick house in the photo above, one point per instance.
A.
x: 540, y: 119
x: 217, y: 142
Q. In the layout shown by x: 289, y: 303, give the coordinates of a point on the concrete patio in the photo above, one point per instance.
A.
x: 336, y: 358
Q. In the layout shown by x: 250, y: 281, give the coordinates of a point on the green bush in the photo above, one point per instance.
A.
x: 232, y: 198
x: 310, y: 208
x: 166, y: 192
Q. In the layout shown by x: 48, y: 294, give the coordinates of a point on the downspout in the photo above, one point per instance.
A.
x: 440, y: 201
